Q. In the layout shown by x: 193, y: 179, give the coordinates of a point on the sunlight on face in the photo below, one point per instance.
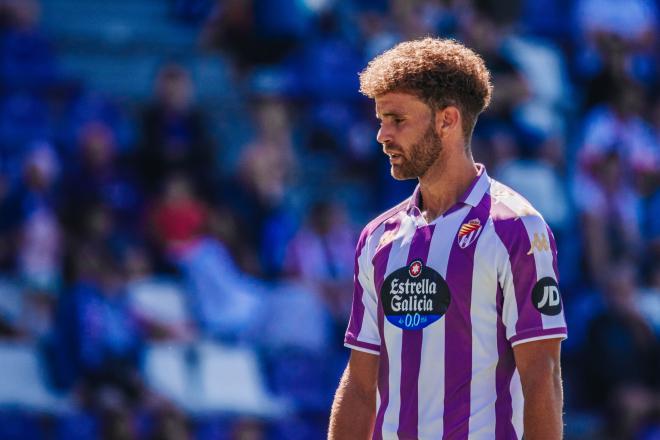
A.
x: 407, y: 134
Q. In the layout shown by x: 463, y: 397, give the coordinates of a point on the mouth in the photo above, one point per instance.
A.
x: 395, y: 158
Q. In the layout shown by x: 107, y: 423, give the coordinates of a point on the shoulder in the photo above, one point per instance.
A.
x: 515, y: 219
x: 388, y: 217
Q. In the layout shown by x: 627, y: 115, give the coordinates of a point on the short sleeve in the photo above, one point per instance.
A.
x: 532, y: 307
x: 362, y: 333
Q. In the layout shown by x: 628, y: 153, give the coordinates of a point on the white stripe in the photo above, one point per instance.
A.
x: 510, y: 306
x: 543, y: 262
x: 517, y: 403
x: 368, y: 332
x: 483, y: 315
x: 431, y: 385
x: 479, y: 189
x: 393, y: 335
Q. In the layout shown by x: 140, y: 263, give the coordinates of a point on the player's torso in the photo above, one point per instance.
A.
x: 439, y: 307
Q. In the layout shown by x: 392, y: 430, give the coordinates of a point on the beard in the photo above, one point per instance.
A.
x: 422, y: 156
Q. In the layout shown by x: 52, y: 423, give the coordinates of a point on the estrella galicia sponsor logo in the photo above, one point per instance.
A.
x: 414, y: 296
x: 546, y: 296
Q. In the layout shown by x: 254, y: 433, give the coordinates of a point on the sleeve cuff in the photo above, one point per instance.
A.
x: 538, y: 335
x: 362, y: 346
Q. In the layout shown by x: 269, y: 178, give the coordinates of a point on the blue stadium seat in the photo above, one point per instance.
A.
x: 160, y: 301
x: 23, y: 383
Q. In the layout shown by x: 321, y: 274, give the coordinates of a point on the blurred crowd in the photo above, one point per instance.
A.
x: 102, y: 200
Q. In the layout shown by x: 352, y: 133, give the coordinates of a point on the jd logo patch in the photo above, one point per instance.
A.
x: 546, y: 296
x: 414, y: 296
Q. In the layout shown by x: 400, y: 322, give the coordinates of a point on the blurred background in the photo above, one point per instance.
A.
x: 182, y: 183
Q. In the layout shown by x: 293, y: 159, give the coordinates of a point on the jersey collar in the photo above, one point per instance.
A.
x: 472, y: 196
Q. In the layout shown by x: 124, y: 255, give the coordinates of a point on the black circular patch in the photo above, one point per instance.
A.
x: 414, y: 296
x: 546, y: 296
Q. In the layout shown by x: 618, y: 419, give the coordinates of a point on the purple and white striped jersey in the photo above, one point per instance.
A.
x: 443, y: 303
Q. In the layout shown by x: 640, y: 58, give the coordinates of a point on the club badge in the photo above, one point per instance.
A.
x: 468, y: 233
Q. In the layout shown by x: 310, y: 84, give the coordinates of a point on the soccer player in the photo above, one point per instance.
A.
x: 457, y: 317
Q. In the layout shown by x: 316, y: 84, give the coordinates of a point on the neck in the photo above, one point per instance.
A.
x: 445, y: 182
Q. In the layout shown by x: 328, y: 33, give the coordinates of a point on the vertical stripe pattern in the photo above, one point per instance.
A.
x: 503, y: 374
x: 454, y: 378
x: 411, y: 347
x: 380, y: 264
x: 458, y: 333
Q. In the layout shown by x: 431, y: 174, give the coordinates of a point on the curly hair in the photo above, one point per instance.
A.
x: 440, y: 72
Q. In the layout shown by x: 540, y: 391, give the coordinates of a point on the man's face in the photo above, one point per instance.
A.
x: 407, y: 134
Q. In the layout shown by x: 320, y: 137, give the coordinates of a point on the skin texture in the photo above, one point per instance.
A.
x: 404, y: 132
x: 354, y: 408
x: 430, y: 145
x: 540, y: 375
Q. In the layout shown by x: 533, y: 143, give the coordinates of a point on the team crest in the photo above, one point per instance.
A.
x: 469, y: 232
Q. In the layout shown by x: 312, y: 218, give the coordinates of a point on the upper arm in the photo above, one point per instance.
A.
x: 532, y: 309
x: 362, y: 373
x: 537, y: 360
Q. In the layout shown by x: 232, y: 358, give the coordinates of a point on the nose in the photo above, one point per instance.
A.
x: 384, y: 136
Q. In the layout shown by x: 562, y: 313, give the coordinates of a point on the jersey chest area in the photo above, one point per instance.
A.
x: 422, y: 273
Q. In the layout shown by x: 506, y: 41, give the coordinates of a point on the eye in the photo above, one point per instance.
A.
x: 398, y: 121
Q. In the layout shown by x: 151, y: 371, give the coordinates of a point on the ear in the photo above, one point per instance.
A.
x: 447, y: 121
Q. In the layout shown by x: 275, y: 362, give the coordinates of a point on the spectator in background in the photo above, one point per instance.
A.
x: 98, y: 177
x: 320, y: 254
x: 257, y: 32
x: 616, y: 39
x: 23, y: 122
x: 266, y: 171
x: 622, y: 339
x: 178, y: 218
x: 224, y: 299
x: 34, y: 237
x: 268, y: 163
x: 27, y: 60
x: 36, y: 229
x: 174, y: 135
x: 102, y: 341
x: 486, y: 37
x: 91, y: 107
x: 617, y: 156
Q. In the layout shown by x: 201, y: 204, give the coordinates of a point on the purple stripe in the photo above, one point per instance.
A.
x: 411, y: 347
x: 458, y: 332
x: 357, y: 311
x: 503, y: 373
x: 557, y: 331
x: 368, y: 346
x: 513, y: 234
x: 380, y: 266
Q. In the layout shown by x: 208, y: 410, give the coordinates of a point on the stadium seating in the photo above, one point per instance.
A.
x: 24, y: 385
x: 208, y: 378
